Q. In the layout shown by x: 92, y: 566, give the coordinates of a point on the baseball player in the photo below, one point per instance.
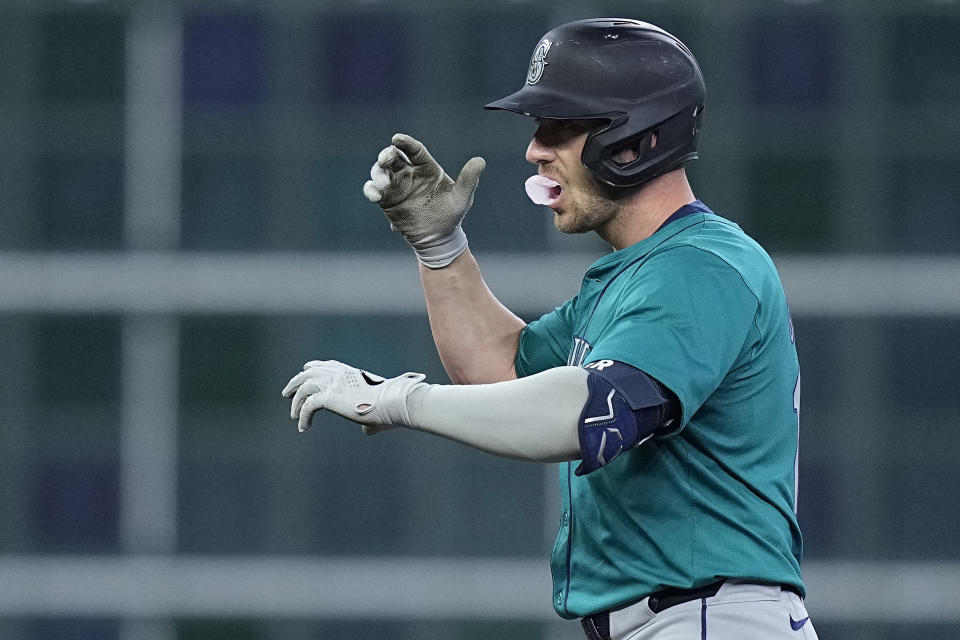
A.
x: 667, y: 389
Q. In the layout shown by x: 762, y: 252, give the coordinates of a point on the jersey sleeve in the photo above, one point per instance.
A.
x: 685, y: 320
x: 545, y: 343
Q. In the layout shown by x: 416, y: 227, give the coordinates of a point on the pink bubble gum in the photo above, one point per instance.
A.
x: 542, y: 190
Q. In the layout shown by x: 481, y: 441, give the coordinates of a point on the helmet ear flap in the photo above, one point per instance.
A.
x: 630, y: 151
x: 624, y: 159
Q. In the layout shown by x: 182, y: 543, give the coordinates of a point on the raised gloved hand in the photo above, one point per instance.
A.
x: 375, y: 402
x: 422, y: 202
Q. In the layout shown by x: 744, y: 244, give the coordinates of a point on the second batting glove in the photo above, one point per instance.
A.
x: 375, y: 402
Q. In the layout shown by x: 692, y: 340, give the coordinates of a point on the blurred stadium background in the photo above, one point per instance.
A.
x: 181, y: 227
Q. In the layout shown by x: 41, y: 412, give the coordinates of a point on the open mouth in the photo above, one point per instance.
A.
x: 543, y: 190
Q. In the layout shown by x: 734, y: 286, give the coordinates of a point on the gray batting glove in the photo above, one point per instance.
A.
x: 373, y: 401
x: 421, y: 201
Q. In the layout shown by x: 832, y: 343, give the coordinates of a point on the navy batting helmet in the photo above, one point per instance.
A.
x: 639, y: 82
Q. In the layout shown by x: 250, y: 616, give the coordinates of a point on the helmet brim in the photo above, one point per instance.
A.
x: 539, y: 102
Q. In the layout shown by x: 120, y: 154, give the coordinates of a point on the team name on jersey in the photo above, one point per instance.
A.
x: 578, y: 352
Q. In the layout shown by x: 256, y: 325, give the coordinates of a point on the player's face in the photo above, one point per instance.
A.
x: 556, y: 147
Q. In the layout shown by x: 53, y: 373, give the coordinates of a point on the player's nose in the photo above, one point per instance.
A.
x: 538, y: 152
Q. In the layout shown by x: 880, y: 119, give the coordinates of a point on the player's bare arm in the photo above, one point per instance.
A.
x: 476, y: 336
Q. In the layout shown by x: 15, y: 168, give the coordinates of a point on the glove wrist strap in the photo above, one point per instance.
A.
x: 438, y: 253
x: 392, y: 406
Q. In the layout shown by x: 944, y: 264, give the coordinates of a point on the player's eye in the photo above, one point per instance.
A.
x: 559, y: 132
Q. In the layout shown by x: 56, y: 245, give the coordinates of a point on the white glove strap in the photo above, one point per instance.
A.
x: 438, y: 253
x: 390, y: 407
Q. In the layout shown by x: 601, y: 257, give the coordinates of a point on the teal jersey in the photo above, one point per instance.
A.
x: 699, y: 307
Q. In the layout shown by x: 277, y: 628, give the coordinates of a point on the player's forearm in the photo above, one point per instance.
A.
x: 533, y: 418
x: 476, y: 336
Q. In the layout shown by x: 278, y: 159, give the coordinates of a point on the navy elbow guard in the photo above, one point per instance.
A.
x: 625, y: 407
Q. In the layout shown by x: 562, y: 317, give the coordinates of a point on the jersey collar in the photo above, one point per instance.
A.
x: 686, y: 210
x: 615, y: 259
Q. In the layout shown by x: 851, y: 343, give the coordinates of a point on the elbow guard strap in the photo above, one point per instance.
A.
x: 625, y: 407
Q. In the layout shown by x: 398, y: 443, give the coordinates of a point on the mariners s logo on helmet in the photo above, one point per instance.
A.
x: 538, y: 62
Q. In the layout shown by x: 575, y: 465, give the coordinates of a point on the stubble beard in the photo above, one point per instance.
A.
x: 593, y: 210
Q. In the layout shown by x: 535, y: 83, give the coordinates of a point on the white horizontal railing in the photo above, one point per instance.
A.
x: 147, y: 587
x: 349, y: 282
x: 409, y: 588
